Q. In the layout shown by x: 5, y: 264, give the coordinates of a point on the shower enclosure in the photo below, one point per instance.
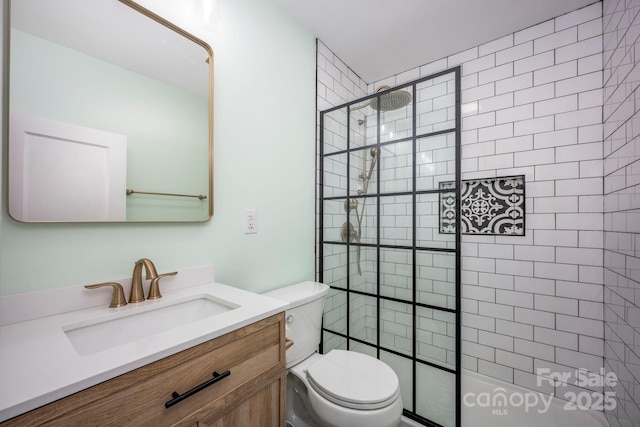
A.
x: 389, y: 165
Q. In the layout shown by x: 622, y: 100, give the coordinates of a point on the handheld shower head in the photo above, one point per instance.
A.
x: 364, y: 175
x: 374, y: 159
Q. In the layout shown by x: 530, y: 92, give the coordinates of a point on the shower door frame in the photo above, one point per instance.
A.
x: 457, y: 131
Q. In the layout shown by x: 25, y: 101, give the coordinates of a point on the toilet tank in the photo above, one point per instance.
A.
x: 304, y: 317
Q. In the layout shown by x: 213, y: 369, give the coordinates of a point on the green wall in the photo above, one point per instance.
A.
x: 264, y: 158
x: 86, y: 91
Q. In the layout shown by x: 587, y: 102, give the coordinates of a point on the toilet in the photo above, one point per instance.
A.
x: 338, y: 389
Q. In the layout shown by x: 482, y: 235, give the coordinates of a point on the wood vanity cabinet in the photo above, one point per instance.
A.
x: 251, y: 395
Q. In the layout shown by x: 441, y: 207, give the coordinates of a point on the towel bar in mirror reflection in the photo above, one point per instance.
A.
x: 131, y: 191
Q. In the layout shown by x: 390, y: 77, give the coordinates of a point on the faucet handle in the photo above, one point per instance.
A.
x: 117, y: 298
x: 154, y: 288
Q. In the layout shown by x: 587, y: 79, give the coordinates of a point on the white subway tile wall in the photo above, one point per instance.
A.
x: 532, y: 105
x: 558, y: 103
x: 621, y: 239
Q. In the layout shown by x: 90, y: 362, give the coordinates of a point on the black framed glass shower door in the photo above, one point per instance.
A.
x: 389, y: 164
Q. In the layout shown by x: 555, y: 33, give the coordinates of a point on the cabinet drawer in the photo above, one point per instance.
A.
x: 261, y: 409
x: 252, y: 355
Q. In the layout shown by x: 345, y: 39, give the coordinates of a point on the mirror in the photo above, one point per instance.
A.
x: 110, y: 115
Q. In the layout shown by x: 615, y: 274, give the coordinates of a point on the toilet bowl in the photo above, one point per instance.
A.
x: 341, y: 388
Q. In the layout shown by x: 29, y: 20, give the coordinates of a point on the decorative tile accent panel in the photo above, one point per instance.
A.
x: 489, y: 206
x: 448, y: 208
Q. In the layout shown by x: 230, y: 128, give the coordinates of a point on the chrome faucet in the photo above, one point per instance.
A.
x: 137, y: 293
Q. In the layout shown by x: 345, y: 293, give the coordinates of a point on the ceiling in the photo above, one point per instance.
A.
x: 119, y: 35
x: 381, y: 38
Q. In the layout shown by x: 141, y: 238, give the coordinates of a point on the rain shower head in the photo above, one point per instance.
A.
x: 390, y: 101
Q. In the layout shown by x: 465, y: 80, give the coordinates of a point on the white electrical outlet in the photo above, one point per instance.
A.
x: 250, y: 221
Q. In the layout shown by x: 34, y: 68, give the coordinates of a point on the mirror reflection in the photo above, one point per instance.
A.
x: 110, y: 115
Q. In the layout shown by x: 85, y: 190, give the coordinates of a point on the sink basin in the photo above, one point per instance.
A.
x: 140, y: 322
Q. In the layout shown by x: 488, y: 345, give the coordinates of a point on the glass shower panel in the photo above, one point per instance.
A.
x: 436, y: 279
x: 396, y: 167
x: 396, y: 326
x: 396, y: 273
x: 364, y: 219
x: 335, y: 311
x: 333, y: 217
x: 435, y: 104
x: 436, y: 337
x: 363, y: 269
x: 332, y: 341
x: 396, y: 114
x: 434, y: 402
x: 435, y: 161
x: 403, y: 367
x: 334, y: 131
x: 335, y: 175
x: 334, y: 266
x: 364, y: 126
x: 389, y: 246
x: 431, y: 229
x: 363, y: 313
x: 363, y: 165
x: 396, y: 220
x: 362, y: 348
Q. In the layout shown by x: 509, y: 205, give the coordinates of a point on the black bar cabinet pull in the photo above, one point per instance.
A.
x: 180, y: 397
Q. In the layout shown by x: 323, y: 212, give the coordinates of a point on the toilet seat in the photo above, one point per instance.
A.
x: 354, y: 380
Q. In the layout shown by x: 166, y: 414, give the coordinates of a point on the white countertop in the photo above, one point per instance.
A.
x: 38, y: 363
